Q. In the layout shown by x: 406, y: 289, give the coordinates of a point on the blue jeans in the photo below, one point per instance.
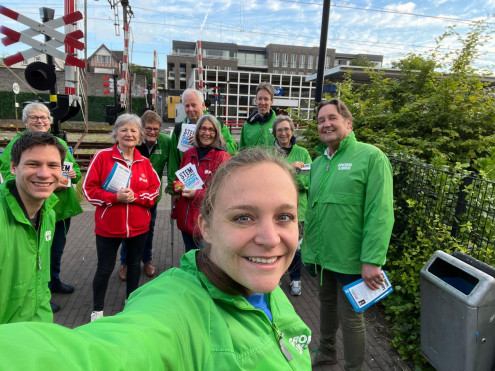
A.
x: 189, y: 242
x: 57, y: 249
x: 148, y: 246
x: 106, y: 248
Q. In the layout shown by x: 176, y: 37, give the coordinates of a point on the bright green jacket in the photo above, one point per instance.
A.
x: 350, y: 211
x: 159, y: 157
x: 299, y: 153
x: 178, y: 321
x: 24, y: 261
x: 254, y: 133
x: 68, y: 205
x: 175, y: 156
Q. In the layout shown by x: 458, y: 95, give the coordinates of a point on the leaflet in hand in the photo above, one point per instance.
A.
x: 66, y: 180
x: 362, y: 297
x: 118, y: 178
x: 304, y: 170
x: 190, y: 177
x: 186, y: 133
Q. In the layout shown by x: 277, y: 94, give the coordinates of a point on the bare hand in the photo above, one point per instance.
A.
x: 372, y: 276
x: 298, y: 164
x: 72, y: 174
x: 125, y: 196
x: 191, y: 140
x: 174, y: 200
x: 188, y: 193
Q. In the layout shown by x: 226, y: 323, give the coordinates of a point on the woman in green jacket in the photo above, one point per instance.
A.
x: 298, y: 157
x: 37, y: 117
x: 221, y: 310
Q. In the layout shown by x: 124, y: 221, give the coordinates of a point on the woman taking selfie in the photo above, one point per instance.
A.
x: 206, y: 155
x: 221, y: 310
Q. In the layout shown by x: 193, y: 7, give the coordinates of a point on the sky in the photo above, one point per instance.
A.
x: 388, y: 28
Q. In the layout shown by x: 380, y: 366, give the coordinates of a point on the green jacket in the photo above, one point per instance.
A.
x: 253, y: 133
x: 175, y: 156
x: 159, y: 157
x: 24, y: 261
x: 68, y: 205
x: 299, y: 153
x: 178, y: 321
x: 350, y: 211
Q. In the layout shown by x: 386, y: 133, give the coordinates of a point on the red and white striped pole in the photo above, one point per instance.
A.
x: 200, y: 68
x: 71, y: 77
x: 124, y: 90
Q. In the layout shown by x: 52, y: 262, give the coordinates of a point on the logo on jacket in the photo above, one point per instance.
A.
x: 48, y: 236
x: 345, y: 166
x: 142, y: 178
x: 300, y: 342
x: 158, y: 152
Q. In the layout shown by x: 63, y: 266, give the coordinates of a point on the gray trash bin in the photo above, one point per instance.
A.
x: 458, y: 313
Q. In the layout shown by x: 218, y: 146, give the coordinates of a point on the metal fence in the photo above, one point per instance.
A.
x: 462, y: 201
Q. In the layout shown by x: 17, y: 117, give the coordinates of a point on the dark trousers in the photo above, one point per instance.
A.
x: 148, y: 246
x: 295, y: 265
x: 190, y: 242
x: 57, y: 249
x: 106, y: 248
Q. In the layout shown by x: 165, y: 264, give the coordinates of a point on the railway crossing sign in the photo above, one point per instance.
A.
x: 48, y: 29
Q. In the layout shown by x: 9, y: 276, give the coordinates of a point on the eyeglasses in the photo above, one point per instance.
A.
x: 283, y: 130
x: 36, y: 118
x: 209, y: 130
x: 151, y: 129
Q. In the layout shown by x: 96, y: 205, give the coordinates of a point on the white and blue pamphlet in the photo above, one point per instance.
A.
x: 65, y: 173
x: 186, y: 133
x: 362, y: 297
x: 189, y: 176
x: 304, y: 170
x: 119, y: 178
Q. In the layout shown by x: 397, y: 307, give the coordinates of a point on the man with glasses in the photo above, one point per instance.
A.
x: 155, y: 147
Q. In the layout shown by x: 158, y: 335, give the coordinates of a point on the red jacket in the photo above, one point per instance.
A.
x: 187, y: 210
x: 114, y: 219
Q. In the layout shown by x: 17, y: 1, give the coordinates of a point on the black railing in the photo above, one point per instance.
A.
x: 462, y: 201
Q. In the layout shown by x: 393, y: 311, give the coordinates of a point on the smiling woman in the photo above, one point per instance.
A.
x: 221, y: 310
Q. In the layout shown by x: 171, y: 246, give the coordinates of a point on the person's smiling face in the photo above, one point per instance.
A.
x: 263, y: 102
x: 332, y: 126
x: 283, y: 133
x: 253, y: 233
x: 207, y: 134
x: 38, y: 121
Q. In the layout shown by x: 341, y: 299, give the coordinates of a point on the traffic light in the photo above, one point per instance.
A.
x: 111, y: 113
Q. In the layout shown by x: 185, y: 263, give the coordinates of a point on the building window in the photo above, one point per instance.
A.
x: 310, y: 62
x: 293, y: 61
x: 327, y: 62
x: 103, y: 59
x: 285, y: 60
x: 301, y: 61
x: 276, y: 59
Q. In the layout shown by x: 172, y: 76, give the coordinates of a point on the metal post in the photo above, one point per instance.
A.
x: 323, y: 51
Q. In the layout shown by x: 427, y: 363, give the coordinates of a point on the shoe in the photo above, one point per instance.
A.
x: 319, y: 359
x: 295, y: 288
x: 55, y: 307
x: 62, y: 288
x: 123, y: 272
x: 149, y: 269
x: 96, y: 314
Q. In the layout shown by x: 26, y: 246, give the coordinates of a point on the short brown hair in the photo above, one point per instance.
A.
x: 150, y: 116
x: 341, y: 108
x: 266, y: 86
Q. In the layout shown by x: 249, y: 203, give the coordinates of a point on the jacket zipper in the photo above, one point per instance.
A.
x: 280, y: 335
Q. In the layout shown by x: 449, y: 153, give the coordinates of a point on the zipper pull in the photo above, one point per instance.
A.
x: 39, y: 262
x: 328, y: 165
x: 288, y: 355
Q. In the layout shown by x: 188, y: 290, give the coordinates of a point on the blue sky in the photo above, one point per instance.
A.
x: 356, y: 26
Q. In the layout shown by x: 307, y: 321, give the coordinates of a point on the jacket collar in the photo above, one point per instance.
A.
x: 116, y: 154
x: 256, y: 117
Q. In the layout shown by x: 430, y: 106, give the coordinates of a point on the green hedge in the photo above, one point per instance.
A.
x: 96, y: 105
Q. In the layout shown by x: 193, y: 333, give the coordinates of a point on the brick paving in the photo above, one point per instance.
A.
x: 79, y: 265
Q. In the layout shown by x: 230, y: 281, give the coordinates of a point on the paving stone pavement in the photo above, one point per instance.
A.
x: 79, y: 265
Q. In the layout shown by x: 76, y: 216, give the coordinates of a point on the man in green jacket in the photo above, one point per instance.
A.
x: 349, y: 222
x: 28, y: 224
x: 155, y: 147
x: 257, y: 130
x: 194, y: 106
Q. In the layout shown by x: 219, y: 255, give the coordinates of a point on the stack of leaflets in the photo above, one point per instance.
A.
x: 119, y: 178
x: 362, y: 297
